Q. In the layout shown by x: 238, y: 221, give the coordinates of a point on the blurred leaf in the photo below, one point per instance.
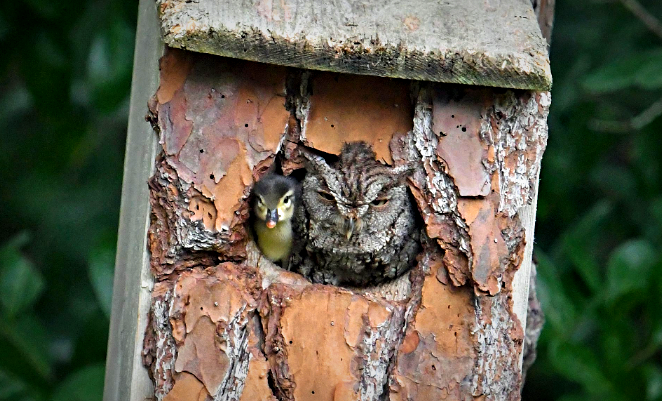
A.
x: 84, y: 385
x: 559, y: 310
x: 653, y: 220
x: 28, y: 336
x: 617, y: 181
x: 101, y: 268
x: 14, y: 101
x: 578, y: 239
x: 614, y: 76
x: 649, y: 75
x: 44, y: 8
x: 50, y: 53
x: 63, y: 118
x: 109, y: 63
x: 630, y: 267
x: 98, y: 63
x: 579, y: 364
x: 637, y: 68
x: 653, y: 375
x: 20, y: 283
x: 656, y: 334
x: 10, y: 387
x: 4, y: 27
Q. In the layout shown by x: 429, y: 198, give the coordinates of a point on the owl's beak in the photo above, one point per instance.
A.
x: 272, y: 218
x: 349, y: 228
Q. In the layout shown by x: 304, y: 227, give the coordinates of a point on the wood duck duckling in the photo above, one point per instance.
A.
x: 275, y: 198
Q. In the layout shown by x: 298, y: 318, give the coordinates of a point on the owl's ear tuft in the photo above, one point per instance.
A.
x: 314, y: 161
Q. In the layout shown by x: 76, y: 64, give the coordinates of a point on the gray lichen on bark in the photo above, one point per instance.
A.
x: 159, y: 349
x: 517, y: 128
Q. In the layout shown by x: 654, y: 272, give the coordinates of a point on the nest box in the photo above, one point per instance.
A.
x: 459, y: 88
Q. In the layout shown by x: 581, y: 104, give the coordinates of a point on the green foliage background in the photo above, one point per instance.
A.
x: 65, y: 72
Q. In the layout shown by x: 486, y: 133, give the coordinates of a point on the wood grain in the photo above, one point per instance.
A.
x: 126, y: 378
x: 491, y: 43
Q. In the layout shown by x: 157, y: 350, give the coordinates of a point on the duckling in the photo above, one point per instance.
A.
x: 275, y: 198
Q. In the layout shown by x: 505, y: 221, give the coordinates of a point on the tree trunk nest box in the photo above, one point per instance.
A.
x: 454, y: 92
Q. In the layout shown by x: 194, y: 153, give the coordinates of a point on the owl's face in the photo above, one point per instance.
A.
x: 354, y: 203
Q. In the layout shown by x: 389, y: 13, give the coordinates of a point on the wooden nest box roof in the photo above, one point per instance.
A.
x: 477, y: 42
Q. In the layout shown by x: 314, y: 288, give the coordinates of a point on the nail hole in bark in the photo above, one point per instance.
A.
x: 210, y: 216
x: 211, y: 176
x: 433, y: 367
x: 246, y: 125
x: 452, y: 115
x: 464, y: 129
x: 331, y: 125
x: 290, y: 341
x: 313, y: 391
x: 197, y: 207
x: 202, y: 151
x: 222, y: 96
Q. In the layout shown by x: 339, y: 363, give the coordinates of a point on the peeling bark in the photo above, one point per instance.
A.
x: 498, y: 338
x: 159, y: 349
x: 227, y: 324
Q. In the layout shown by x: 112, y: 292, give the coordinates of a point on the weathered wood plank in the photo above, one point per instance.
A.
x: 491, y: 43
x: 126, y: 378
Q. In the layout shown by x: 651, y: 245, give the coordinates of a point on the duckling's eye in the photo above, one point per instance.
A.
x: 287, y: 200
x: 260, y: 202
x: 325, y: 195
x: 379, y: 202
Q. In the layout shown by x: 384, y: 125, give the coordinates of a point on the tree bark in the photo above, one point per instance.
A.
x: 544, y: 10
x: 226, y: 324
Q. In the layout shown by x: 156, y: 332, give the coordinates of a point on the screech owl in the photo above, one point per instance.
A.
x: 357, y: 225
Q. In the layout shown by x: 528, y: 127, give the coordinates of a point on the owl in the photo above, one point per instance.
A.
x: 357, y: 225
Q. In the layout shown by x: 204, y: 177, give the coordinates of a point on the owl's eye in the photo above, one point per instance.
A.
x: 325, y: 195
x: 379, y: 202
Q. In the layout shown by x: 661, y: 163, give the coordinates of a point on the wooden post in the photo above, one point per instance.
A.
x: 227, y: 324
x: 126, y: 378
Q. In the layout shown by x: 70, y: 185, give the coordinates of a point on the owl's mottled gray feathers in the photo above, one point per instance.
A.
x: 357, y: 226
